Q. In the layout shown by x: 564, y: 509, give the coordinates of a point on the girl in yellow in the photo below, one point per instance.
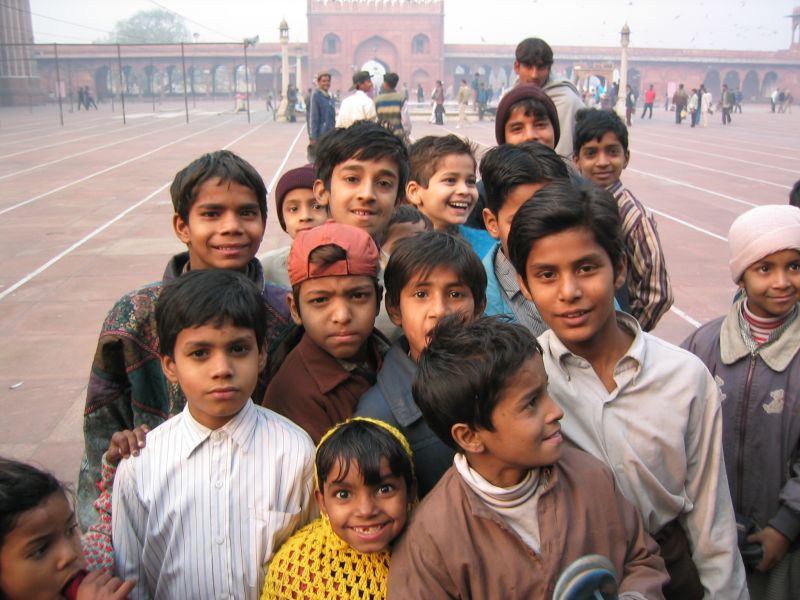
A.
x: 365, y: 489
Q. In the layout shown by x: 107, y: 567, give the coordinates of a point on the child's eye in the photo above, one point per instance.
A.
x: 794, y: 267
x: 240, y: 349
x: 586, y: 268
x: 546, y: 275
x: 291, y: 209
x: 351, y: 179
x: 386, y: 184
x: 386, y: 488
x: 359, y: 295
x: 249, y: 212
x: 318, y: 301
x: 210, y: 214
x: 449, y: 180
x: 456, y: 294
x: 471, y: 181
x: 589, y: 154
x: 420, y: 294
x: 199, y: 353
x: 763, y: 269
x: 341, y: 495
x: 39, y: 551
x: 318, y: 206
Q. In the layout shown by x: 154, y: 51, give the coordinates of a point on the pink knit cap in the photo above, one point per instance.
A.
x: 762, y: 231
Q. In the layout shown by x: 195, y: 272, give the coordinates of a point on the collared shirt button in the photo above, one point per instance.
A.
x: 219, y: 539
x: 218, y: 484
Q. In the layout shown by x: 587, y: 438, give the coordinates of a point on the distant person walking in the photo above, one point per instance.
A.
x: 649, y: 100
x: 680, y: 99
x: 727, y: 102
x: 420, y: 93
x: 464, y: 94
x: 81, y: 98
x: 737, y: 102
x: 321, y: 111
x: 88, y: 99
x: 392, y: 108
x: 438, y: 99
x: 706, y: 100
x: 358, y: 106
x: 630, y: 104
x: 694, y: 107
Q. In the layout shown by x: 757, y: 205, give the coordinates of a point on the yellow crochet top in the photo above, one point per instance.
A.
x: 315, y: 563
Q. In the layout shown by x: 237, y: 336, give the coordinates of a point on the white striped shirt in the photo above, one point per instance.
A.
x: 200, y: 512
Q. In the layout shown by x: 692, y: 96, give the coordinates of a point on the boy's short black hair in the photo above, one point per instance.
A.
x: 324, y: 256
x: 363, y: 140
x: 534, y: 51
x: 594, y: 123
x: 464, y: 371
x: 223, y: 164
x: 506, y: 166
x: 416, y: 256
x: 209, y: 297
x: 794, y: 195
x: 22, y: 487
x: 562, y: 205
x: 408, y: 213
x: 363, y: 443
x: 427, y: 153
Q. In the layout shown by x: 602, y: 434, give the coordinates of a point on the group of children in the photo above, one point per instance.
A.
x: 399, y: 337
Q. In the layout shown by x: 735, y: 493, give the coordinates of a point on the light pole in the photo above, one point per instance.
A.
x: 624, y: 40
x: 284, y: 105
x: 248, y: 43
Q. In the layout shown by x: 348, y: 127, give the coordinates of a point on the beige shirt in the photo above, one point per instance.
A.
x: 660, y: 431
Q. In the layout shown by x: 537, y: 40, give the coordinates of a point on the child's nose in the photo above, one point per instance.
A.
x: 341, y: 312
x: 231, y: 223
x: 569, y: 289
x: 68, y: 553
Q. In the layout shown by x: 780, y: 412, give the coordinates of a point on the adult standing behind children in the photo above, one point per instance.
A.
x: 680, y: 99
x: 648, y: 409
x: 392, y: 108
x: 753, y: 354
x: 649, y: 99
x: 359, y: 105
x: 438, y: 103
x: 322, y: 111
x: 533, y: 63
x: 464, y: 94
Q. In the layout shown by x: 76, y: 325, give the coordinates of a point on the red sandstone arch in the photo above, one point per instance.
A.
x: 378, y: 49
x: 750, y: 86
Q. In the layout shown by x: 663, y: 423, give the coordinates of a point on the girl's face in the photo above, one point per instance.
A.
x: 367, y: 517
x: 42, y: 554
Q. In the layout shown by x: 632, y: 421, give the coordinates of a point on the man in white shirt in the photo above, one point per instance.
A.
x: 358, y: 106
x: 220, y: 486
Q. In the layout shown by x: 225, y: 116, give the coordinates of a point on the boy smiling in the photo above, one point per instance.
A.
x: 623, y: 403
x: 361, y: 176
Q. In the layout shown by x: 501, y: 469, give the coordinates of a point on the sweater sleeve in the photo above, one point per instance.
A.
x: 710, y: 524
x: 787, y: 519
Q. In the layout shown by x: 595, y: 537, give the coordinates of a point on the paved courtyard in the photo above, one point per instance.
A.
x: 85, y: 216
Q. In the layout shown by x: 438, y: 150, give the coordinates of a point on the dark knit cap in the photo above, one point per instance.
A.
x: 514, y: 95
x: 301, y: 177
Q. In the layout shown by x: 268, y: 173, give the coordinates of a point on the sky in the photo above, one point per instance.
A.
x: 702, y: 24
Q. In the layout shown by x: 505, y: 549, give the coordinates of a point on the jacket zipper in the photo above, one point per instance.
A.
x: 742, y: 432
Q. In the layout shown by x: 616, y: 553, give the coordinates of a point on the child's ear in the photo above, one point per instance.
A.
x: 181, y: 228
x: 394, y: 314
x: 523, y: 287
x: 576, y: 160
x: 490, y: 221
x: 294, y: 310
x: 627, y: 160
x: 263, y: 355
x: 412, y: 193
x: 322, y: 195
x: 622, y: 272
x: 320, y: 498
x: 467, y: 438
x: 168, y: 366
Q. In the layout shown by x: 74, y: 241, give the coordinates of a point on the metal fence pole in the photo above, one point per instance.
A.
x: 121, y: 85
x: 185, y: 95
x: 153, y: 85
x: 58, y: 87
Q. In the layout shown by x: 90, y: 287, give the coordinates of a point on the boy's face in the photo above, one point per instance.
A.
x: 530, y: 73
x: 338, y: 313
x: 42, y: 554
x: 527, y: 432
x: 451, y: 193
x: 602, y: 162
x: 773, y: 284
x: 302, y: 211
x: 367, y: 517
x: 217, y: 369
x: 363, y: 193
x: 523, y: 126
x: 425, y: 300
x: 571, y: 280
x: 224, y: 228
x: 499, y: 226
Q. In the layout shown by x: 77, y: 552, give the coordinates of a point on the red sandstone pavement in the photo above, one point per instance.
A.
x: 85, y: 216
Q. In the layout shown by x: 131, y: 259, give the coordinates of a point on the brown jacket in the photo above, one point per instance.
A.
x: 315, y: 391
x: 457, y: 547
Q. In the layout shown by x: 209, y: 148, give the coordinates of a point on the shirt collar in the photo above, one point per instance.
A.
x: 240, y: 429
x: 635, y: 352
x: 615, y: 188
x: 777, y: 353
x: 506, y: 274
